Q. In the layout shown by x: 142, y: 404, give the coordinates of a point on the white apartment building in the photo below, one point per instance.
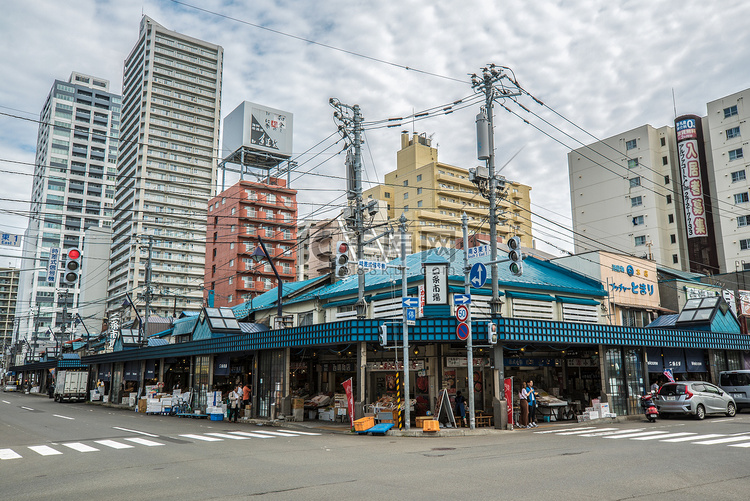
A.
x: 167, y: 169
x: 623, y: 196
x: 73, y: 190
x: 727, y: 123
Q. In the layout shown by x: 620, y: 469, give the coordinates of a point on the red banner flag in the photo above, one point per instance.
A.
x: 509, y: 398
x: 349, y: 399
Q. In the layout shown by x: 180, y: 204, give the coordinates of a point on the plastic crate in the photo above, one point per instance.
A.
x: 217, y: 417
x: 430, y: 425
x: 364, y: 424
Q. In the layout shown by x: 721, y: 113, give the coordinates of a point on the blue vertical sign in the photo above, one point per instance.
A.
x: 54, y: 260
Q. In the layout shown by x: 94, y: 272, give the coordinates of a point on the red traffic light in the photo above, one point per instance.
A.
x: 74, y: 254
x: 343, y: 247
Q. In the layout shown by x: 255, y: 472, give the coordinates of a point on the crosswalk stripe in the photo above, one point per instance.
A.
x: 226, y: 435
x: 745, y: 445
x: 9, y: 454
x: 633, y: 435
x: 113, y: 444
x: 671, y: 435
x: 275, y: 433
x: 722, y: 440
x: 143, y: 441
x: 304, y: 433
x: 584, y: 431
x: 78, y: 446
x: 252, y: 435
x: 606, y: 433
x: 44, y: 450
x: 693, y: 437
x: 202, y: 437
x: 558, y: 431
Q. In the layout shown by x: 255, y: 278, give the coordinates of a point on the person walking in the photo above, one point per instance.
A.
x: 461, y: 407
x: 234, y: 404
x: 531, y: 397
x: 523, y: 420
x: 246, y: 392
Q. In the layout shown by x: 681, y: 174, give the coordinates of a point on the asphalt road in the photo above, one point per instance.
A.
x: 80, y: 452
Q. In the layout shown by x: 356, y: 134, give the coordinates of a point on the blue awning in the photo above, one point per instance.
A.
x: 654, y: 360
x: 132, y: 370
x: 674, y: 358
x: 526, y: 295
x: 150, y: 369
x: 221, y: 364
x: 576, y: 300
x: 105, y: 372
x: 696, y: 360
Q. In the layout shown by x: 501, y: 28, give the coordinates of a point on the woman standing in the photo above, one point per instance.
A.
x: 523, y: 420
x: 531, y: 396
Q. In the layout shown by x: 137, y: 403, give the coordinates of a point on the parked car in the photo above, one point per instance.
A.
x: 697, y: 398
x: 737, y: 384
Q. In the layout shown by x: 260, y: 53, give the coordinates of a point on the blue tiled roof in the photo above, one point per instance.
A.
x: 184, y: 325
x: 155, y: 341
x: 663, y: 321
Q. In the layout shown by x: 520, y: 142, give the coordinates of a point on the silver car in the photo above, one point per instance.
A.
x: 697, y: 398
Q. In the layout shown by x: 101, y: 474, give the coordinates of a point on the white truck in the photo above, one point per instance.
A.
x: 71, y: 385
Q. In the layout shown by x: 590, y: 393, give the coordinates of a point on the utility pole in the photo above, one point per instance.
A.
x: 144, y: 338
x: 36, y: 332
x: 407, y: 400
x: 491, y: 75
x: 64, y: 321
x: 469, y: 345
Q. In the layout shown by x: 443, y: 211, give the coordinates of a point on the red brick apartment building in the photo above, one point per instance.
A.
x: 236, y: 218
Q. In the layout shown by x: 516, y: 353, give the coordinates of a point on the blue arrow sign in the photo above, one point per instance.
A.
x: 478, y: 275
x: 409, y: 302
x: 461, y: 299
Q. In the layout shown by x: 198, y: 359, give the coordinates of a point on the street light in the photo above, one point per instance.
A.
x: 258, y: 255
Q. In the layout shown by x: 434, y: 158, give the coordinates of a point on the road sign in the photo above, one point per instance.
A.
x: 409, y: 302
x: 411, y: 316
x: 479, y: 251
x: 373, y: 265
x: 462, y: 331
x: 462, y: 313
x: 461, y: 299
x: 54, y: 259
x: 478, y: 275
x: 10, y: 239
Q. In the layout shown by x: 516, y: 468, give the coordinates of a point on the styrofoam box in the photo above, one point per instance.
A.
x: 594, y: 415
x: 604, y: 409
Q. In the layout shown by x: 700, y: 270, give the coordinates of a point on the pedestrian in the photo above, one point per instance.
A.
x: 246, y: 392
x: 461, y: 407
x: 234, y: 404
x: 524, y: 403
x: 531, y: 396
x: 655, y: 386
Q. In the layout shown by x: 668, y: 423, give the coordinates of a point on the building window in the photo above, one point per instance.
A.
x: 636, y: 201
x: 406, y: 208
x: 231, y: 229
x: 214, y: 252
x: 419, y: 203
x: 419, y: 191
x: 738, y: 176
x: 735, y: 154
x: 387, y: 195
x: 670, y: 218
x: 223, y: 200
x: 674, y: 259
x: 664, y: 161
x: 419, y: 177
x: 638, y: 220
x: 673, y: 239
x: 231, y: 263
x: 669, y: 199
x: 230, y: 298
x: 631, y: 144
x: 733, y: 132
x: 663, y: 141
x: 640, y: 240
x: 234, y: 209
x: 743, y: 221
x: 231, y: 280
x: 406, y: 183
x: 213, y: 269
x: 632, y: 163
x: 406, y: 195
x: 741, y: 198
x: 231, y: 245
x: 636, y: 181
x: 745, y: 244
x: 666, y: 179
x: 730, y: 112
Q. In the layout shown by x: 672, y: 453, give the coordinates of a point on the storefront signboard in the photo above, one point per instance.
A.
x: 745, y: 302
x: 236, y: 369
x: 338, y: 367
x: 532, y: 362
x: 422, y: 296
x: 581, y: 362
x: 436, y: 283
x: 296, y: 366
x: 693, y: 293
x: 508, y: 390
x: 461, y: 362
x: 414, y: 365
x: 729, y: 298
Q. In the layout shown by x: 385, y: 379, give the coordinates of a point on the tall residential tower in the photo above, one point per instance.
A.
x: 167, y: 169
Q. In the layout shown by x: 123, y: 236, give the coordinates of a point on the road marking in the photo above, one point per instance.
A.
x: 201, y: 437
x: 641, y: 434
x: 304, y: 433
x: 275, y: 433
x: 698, y: 437
x: 252, y: 435
x: 621, y: 432
x: 78, y: 446
x: 671, y: 435
x: 9, y: 454
x: 584, y: 431
x: 44, y: 450
x: 113, y: 444
x: 225, y: 435
x: 563, y: 429
x: 135, y: 431
x: 143, y: 441
x: 64, y: 417
x: 6, y: 402
x: 27, y: 408
x: 722, y: 440
x: 745, y: 445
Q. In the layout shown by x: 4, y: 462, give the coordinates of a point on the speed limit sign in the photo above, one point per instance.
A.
x: 462, y: 313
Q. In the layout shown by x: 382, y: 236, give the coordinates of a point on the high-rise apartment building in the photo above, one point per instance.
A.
x: 237, y: 218
x: 8, y: 296
x: 73, y: 189
x: 434, y: 195
x: 167, y: 169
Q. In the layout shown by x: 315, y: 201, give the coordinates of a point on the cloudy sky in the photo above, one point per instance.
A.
x: 599, y: 67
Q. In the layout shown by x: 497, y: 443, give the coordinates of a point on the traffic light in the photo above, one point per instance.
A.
x: 72, y: 267
x: 341, y: 263
x: 491, y: 333
x: 383, y: 336
x: 515, y: 256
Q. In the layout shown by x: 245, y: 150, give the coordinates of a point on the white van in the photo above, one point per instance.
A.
x: 737, y: 384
